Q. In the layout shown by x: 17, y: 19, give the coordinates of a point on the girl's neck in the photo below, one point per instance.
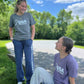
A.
x: 63, y: 54
x: 18, y: 13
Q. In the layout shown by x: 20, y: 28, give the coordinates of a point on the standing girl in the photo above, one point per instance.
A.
x: 22, y: 21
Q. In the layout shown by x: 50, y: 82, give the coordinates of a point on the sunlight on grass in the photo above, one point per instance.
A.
x: 3, y: 42
x: 77, y: 46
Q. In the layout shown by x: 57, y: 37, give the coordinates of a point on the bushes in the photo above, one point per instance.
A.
x: 4, y: 27
x: 76, y: 32
x: 5, y: 13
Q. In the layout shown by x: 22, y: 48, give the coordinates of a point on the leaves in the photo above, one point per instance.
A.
x: 76, y: 32
x: 63, y: 20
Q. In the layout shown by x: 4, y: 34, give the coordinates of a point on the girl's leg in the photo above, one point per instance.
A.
x: 28, y: 59
x: 41, y: 76
x: 32, y: 58
x: 18, y: 48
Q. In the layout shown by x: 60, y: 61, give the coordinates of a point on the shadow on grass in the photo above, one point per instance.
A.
x: 46, y: 61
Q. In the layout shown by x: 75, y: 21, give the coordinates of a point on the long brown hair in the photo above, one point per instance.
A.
x: 18, y: 3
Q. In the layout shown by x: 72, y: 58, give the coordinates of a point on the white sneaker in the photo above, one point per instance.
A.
x: 19, y: 82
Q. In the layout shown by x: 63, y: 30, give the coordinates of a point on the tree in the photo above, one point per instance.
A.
x: 43, y: 28
x: 76, y: 32
x: 4, y: 4
x: 5, y: 12
x: 63, y: 20
x: 52, y: 21
x: 45, y: 17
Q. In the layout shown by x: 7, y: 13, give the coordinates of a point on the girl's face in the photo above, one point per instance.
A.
x: 59, y: 45
x: 22, y: 7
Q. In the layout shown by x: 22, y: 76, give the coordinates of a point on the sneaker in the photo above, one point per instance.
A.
x: 19, y: 82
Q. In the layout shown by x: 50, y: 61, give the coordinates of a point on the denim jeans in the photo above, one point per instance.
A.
x: 19, y: 47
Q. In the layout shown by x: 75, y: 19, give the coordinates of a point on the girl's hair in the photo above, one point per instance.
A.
x: 18, y: 3
x: 68, y: 43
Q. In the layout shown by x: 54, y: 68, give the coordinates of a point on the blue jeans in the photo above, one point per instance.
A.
x: 19, y: 47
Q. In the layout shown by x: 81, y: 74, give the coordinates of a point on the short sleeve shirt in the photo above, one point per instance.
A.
x: 64, y: 68
x: 22, y: 25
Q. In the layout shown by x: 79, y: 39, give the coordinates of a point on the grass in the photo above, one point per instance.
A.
x: 77, y: 46
x: 7, y: 67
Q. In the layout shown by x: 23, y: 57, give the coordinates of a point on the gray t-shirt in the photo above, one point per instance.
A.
x: 64, y: 68
x: 22, y: 25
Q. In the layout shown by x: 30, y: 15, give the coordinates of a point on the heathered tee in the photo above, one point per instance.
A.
x: 22, y: 25
x: 64, y: 68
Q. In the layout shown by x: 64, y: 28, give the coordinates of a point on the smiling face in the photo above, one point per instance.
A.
x: 64, y: 44
x: 59, y: 45
x: 22, y: 7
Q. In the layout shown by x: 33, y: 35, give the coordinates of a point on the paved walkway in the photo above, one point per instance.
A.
x: 44, y: 51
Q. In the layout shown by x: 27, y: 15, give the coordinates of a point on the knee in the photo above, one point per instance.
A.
x: 39, y: 69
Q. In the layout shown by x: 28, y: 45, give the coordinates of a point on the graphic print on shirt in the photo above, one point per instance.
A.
x: 20, y: 22
x: 59, y: 69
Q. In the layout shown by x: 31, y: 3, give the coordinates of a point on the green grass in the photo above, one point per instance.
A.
x: 7, y: 67
x: 77, y: 46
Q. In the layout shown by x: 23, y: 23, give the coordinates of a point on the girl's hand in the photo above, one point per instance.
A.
x: 11, y: 39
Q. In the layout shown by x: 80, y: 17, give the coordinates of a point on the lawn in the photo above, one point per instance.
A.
x: 77, y: 46
x: 7, y: 67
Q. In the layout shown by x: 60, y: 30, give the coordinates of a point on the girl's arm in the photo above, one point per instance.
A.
x: 72, y: 80
x: 11, y: 33
x: 33, y: 32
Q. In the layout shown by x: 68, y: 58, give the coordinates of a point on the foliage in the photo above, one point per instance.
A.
x: 44, y: 24
x: 76, y: 32
x: 63, y: 20
x: 4, y: 20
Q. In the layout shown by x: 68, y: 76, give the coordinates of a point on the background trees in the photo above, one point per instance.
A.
x: 47, y: 26
x: 5, y: 12
x: 76, y: 32
x: 63, y: 20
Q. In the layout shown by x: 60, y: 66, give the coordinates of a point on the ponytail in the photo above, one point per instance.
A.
x: 68, y: 43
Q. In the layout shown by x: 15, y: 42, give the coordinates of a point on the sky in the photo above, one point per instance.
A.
x: 54, y: 6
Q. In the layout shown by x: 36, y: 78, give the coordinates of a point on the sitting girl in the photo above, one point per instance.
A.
x: 65, y: 66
